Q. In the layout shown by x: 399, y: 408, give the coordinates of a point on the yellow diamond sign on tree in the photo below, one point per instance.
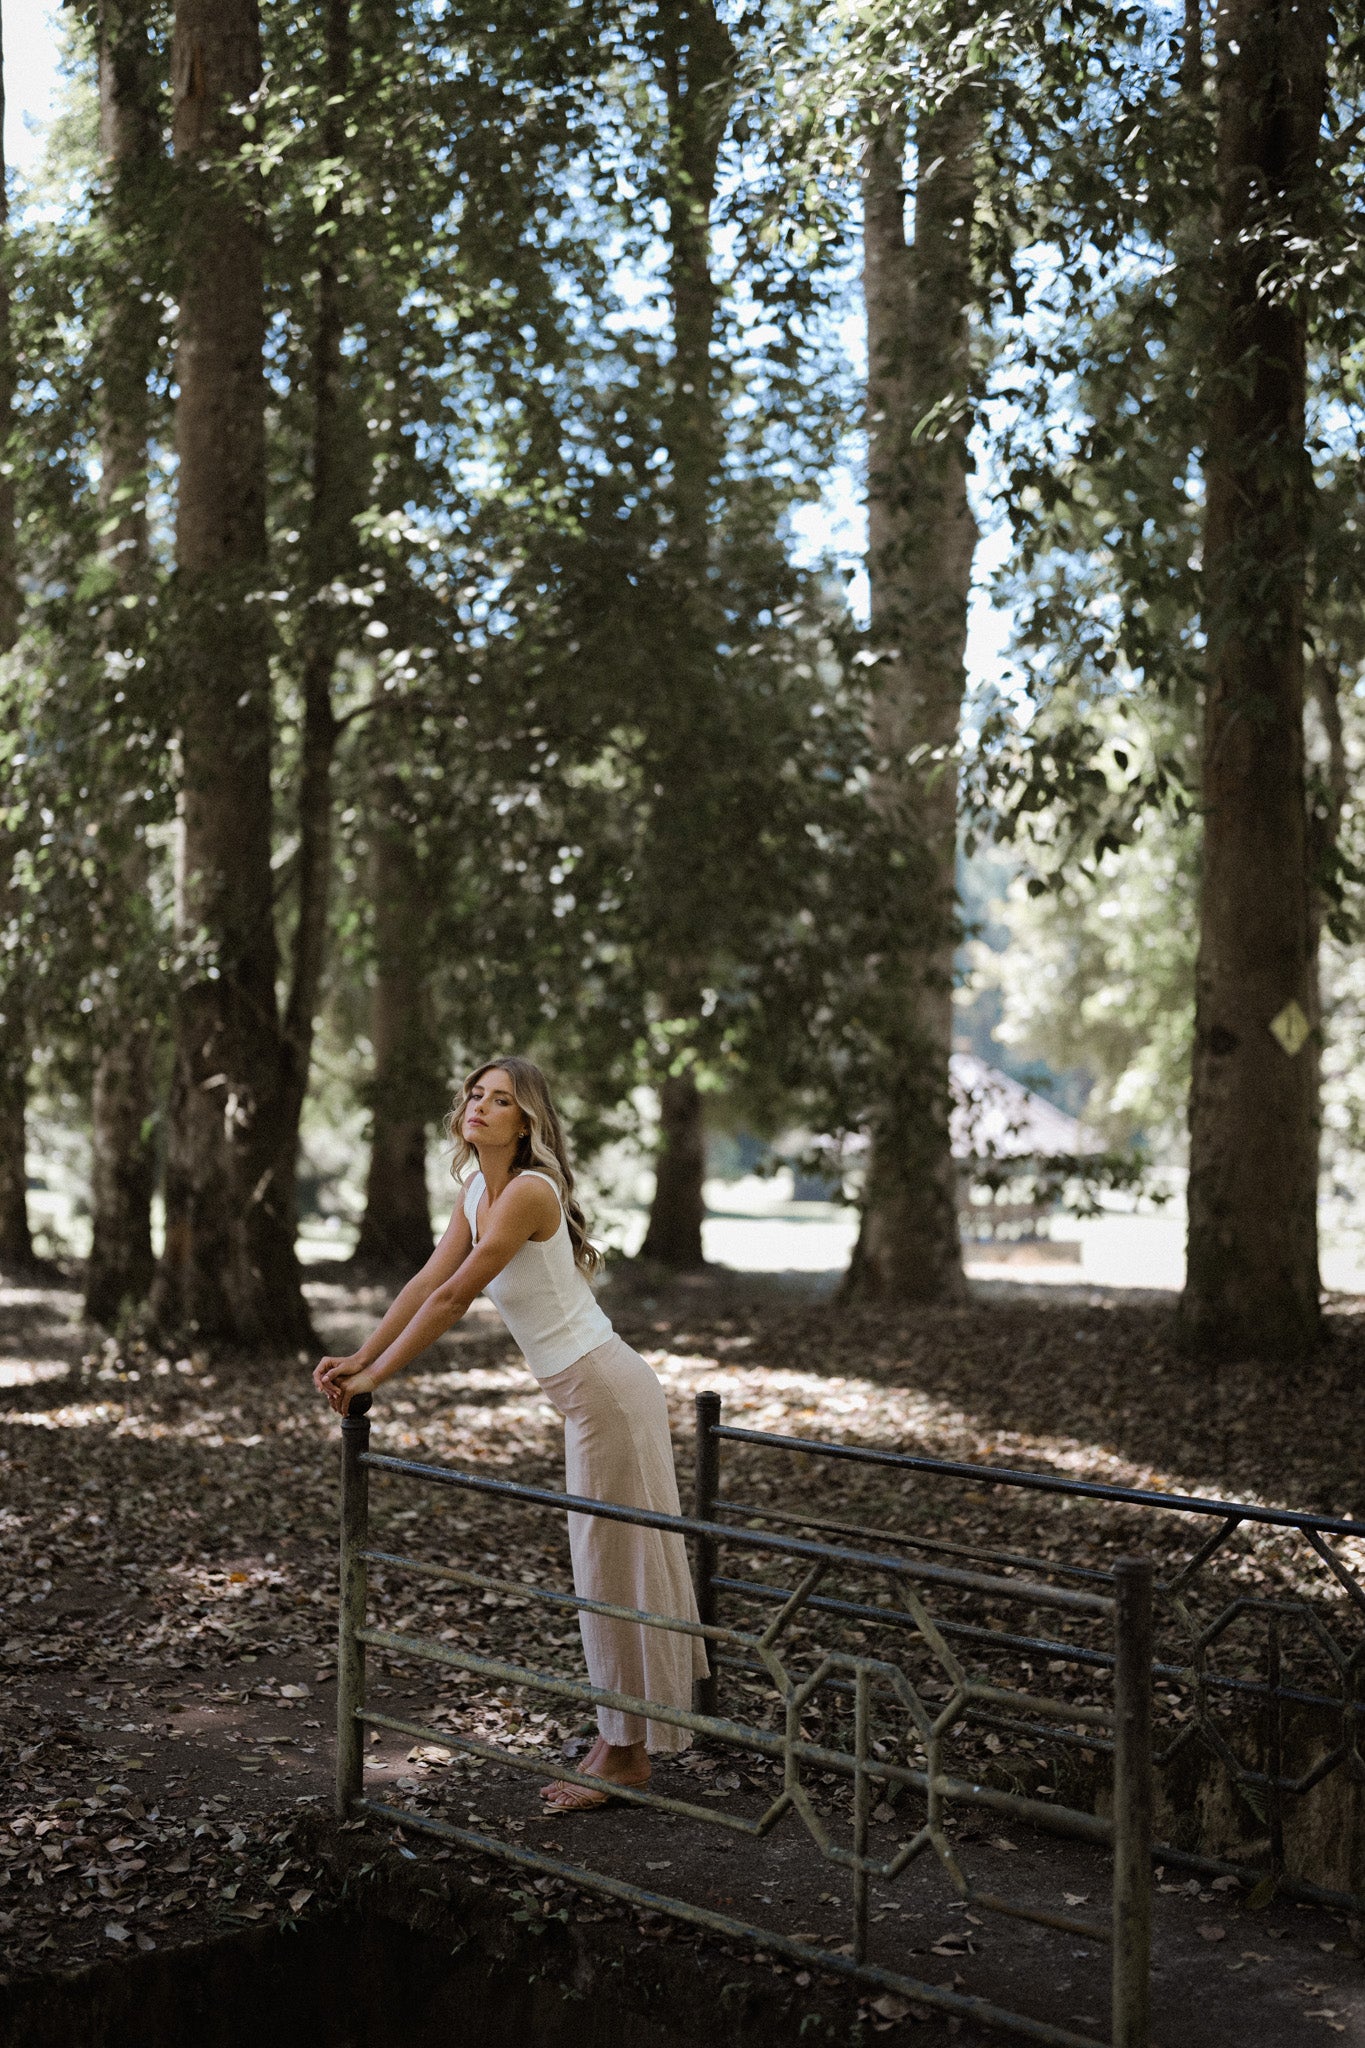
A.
x: 1291, y: 1027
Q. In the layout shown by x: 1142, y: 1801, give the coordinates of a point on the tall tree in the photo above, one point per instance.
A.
x: 339, y: 468
x: 16, y: 1243
x: 1252, y: 1273
x: 229, y: 1268
x: 123, y: 1168
x: 395, y: 1232
x: 697, y: 62
x: 921, y: 540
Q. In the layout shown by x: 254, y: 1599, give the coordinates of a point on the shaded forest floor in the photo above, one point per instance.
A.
x: 168, y: 1527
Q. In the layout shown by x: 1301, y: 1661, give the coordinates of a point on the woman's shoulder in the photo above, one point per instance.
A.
x: 534, y: 1192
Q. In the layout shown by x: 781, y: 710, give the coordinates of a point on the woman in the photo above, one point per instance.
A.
x: 518, y: 1235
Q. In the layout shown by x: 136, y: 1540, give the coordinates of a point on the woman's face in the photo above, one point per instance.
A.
x: 491, y: 1115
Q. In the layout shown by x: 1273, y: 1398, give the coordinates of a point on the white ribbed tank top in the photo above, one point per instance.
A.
x: 550, y: 1311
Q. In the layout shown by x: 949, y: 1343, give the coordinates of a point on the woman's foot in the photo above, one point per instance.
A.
x: 614, y: 1763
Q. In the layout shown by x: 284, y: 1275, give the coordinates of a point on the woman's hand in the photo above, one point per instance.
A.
x: 340, y: 1379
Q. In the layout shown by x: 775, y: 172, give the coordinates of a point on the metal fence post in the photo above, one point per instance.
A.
x: 1132, y: 1803
x: 355, y: 1536
x: 704, y: 1497
x: 862, y: 1806
x: 1274, y: 1748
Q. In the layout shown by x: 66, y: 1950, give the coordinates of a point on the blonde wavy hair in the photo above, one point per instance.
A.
x: 542, y: 1144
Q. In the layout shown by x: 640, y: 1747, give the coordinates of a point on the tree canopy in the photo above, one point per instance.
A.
x: 418, y: 417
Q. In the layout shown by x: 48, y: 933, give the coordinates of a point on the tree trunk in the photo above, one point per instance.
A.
x: 921, y: 538
x: 16, y: 1243
x: 229, y: 1270
x: 697, y: 62
x: 121, y: 1265
x: 10, y: 595
x: 1325, y: 812
x: 337, y: 496
x: 395, y: 1234
x: 675, y: 1216
x: 1252, y: 1273
x: 123, y: 1175
x: 1192, y: 50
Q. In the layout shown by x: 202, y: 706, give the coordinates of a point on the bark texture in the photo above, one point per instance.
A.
x: 1252, y: 1274
x: 395, y: 1233
x: 10, y: 596
x: 122, y: 1176
x: 337, y: 496
x: 16, y: 1243
x: 1329, y: 790
x: 921, y: 539
x: 123, y: 1172
x: 697, y: 63
x: 229, y: 1268
x: 675, y: 1216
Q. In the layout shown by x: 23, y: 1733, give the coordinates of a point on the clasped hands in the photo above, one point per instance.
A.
x: 341, y: 1379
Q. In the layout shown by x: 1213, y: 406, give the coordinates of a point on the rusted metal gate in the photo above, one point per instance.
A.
x: 1269, y: 1687
x: 920, y: 1717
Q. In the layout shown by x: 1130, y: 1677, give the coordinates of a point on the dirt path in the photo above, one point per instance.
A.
x: 168, y: 1531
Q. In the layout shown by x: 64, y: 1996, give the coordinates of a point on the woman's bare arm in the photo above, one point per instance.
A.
x: 524, y: 1207
x: 447, y: 1258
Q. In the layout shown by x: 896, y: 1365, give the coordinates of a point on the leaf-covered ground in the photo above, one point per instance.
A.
x: 168, y: 1527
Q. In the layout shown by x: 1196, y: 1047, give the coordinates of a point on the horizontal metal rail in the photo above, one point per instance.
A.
x: 1097, y: 1605
x: 576, y: 1602
x: 829, y: 1526
x: 1060, y: 1820
x: 1051, y: 1647
x: 1067, y: 1821
x: 979, y: 1717
x: 1047, y: 1482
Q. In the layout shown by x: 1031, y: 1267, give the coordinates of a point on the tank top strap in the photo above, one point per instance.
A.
x: 534, y: 1173
x: 473, y: 1195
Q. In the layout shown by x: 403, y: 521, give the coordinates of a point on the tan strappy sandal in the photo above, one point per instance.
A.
x: 562, y: 1796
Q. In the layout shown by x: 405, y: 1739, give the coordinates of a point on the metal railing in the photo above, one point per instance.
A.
x: 1246, y: 1725
x: 924, y: 1701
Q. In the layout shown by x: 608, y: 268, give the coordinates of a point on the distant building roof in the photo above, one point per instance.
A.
x: 996, y: 1115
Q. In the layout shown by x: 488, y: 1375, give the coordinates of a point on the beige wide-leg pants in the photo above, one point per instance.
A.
x: 617, y: 1448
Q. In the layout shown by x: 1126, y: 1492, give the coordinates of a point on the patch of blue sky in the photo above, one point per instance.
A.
x: 33, y: 49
